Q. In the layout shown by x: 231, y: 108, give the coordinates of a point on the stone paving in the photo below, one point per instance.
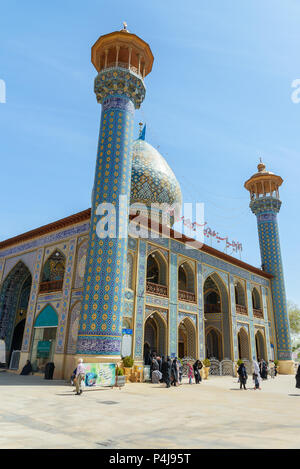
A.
x: 35, y: 413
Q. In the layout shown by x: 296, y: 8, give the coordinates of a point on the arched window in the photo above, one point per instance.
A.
x: 53, y: 272
x: 182, y: 279
x: 186, y: 282
x: 212, y: 300
x: 157, y: 274
x: 256, y: 299
x: 240, y: 300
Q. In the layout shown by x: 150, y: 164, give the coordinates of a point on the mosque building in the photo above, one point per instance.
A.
x: 66, y: 292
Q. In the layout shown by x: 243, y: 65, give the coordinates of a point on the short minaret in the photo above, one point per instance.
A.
x: 265, y: 204
x: 122, y: 61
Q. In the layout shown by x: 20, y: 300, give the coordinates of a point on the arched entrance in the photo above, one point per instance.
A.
x: 187, y: 339
x: 14, y: 298
x: 217, y: 322
x: 213, y: 344
x: 260, y: 346
x: 155, y: 336
x: 44, y: 338
x: 243, y: 344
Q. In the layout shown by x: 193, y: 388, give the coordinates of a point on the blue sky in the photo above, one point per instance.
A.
x: 218, y: 98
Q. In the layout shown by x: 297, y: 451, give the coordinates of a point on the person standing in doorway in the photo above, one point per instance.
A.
x: 80, y: 375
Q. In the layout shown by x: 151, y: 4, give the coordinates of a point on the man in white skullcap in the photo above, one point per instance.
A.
x: 80, y: 374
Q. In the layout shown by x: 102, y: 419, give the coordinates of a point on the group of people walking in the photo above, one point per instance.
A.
x: 260, y: 372
x: 170, y: 372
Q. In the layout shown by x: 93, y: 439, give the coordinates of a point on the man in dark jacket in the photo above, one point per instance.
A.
x: 242, y: 372
x: 166, y: 371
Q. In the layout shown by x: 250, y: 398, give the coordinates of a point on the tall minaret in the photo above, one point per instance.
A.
x: 122, y: 61
x: 265, y: 204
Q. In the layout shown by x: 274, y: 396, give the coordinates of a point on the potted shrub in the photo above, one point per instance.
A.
x: 206, y: 366
x: 120, y: 378
x: 276, y: 364
x: 127, y: 364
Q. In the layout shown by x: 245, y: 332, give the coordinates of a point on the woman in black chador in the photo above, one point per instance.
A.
x: 263, y: 369
x: 166, y: 371
x: 298, y: 378
x: 174, y: 372
x: 242, y: 372
x: 27, y: 369
x: 197, y: 367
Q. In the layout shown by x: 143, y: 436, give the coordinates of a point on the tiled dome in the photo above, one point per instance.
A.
x: 152, y: 180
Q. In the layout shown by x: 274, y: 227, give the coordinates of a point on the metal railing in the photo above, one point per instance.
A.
x: 186, y: 296
x: 123, y: 65
x: 240, y: 309
x: 156, y: 289
x: 258, y: 313
x: 211, y: 308
x: 55, y: 285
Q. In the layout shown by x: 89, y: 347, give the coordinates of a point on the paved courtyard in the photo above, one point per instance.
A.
x: 35, y: 413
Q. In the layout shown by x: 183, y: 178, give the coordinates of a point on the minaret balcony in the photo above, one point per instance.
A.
x: 123, y: 65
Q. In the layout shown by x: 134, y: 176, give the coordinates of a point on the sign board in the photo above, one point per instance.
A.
x: 126, y: 342
x: 43, y: 348
x: 99, y: 374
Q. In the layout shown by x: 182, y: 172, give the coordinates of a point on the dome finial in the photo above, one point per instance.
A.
x: 125, y: 30
x: 261, y: 166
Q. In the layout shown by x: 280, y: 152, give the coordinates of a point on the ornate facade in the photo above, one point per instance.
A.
x: 66, y: 291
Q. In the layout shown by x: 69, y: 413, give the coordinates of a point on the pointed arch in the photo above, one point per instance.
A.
x: 47, y: 317
x: 187, y: 339
x: 155, y: 334
x: 157, y: 274
x: 14, y: 298
x: 243, y: 344
x: 240, y: 297
x: 256, y: 299
x: 53, y: 271
x: 44, y: 337
x: 260, y: 345
x: 216, y: 310
x: 213, y: 340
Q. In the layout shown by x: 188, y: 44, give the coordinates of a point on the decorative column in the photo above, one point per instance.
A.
x: 265, y: 204
x: 173, y: 306
x: 200, y: 306
x: 120, y: 91
x: 234, y: 330
x: 138, y: 337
